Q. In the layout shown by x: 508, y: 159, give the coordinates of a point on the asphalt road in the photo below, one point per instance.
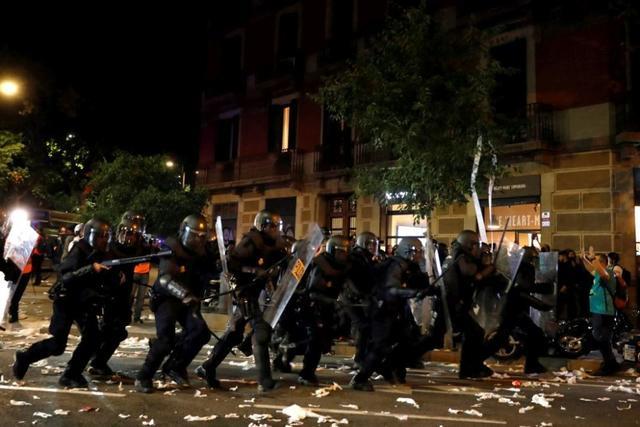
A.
x: 440, y: 398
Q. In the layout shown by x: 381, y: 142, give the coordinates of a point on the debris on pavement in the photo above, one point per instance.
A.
x: 325, y: 391
x: 192, y: 418
x: 525, y: 409
x: 540, y: 399
x: 61, y: 412
x: 88, y: 409
x: 199, y: 394
x: 351, y: 406
x: 124, y: 416
x: 408, y: 401
x: 43, y: 415
x: 19, y: 403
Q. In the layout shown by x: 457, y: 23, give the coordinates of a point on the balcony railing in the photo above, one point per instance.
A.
x: 287, y: 164
x: 332, y: 158
x: 539, y: 122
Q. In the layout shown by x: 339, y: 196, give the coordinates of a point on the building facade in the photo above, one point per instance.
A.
x: 574, y: 180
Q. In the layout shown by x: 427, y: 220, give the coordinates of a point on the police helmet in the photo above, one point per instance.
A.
x: 408, y: 247
x: 194, y: 232
x: 129, y: 232
x: 97, y: 233
x: 77, y: 230
x: 266, y: 218
x: 338, y: 243
x: 367, y: 240
x: 135, y: 216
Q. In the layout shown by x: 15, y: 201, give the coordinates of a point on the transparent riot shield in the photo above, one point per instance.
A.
x: 490, y: 297
x: 225, y: 303
x: 6, y: 293
x: 305, y: 251
x: 20, y: 243
x: 546, y: 285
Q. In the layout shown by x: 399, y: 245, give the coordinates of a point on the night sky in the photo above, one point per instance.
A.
x: 137, y: 73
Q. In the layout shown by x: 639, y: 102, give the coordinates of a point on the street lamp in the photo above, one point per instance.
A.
x: 9, y: 88
x: 170, y: 164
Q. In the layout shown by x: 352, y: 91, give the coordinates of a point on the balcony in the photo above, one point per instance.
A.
x: 533, y: 132
x: 330, y: 159
x: 255, y: 170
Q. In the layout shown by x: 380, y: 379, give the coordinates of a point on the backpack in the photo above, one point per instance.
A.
x: 621, y: 296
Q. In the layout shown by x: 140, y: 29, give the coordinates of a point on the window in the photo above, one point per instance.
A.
x: 287, y: 35
x: 228, y: 212
x: 337, y: 149
x: 231, y: 57
x: 283, y: 120
x: 524, y: 223
x: 400, y: 223
x: 510, y: 93
x: 342, y: 215
x: 227, y: 142
x: 341, y: 19
x: 286, y: 207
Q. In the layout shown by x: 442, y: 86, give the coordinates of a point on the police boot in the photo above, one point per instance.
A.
x: 100, y: 371
x: 144, y: 385
x: 72, y: 379
x: 20, y: 365
x: 361, y: 384
x: 209, y: 375
x: 280, y: 365
x: 177, y: 375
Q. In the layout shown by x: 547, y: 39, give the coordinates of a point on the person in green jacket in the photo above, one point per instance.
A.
x: 603, y: 310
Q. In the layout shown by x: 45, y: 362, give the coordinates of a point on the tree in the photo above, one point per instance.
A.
x: 145, y: 184
x: 10, y: 147
x: 421, y: 94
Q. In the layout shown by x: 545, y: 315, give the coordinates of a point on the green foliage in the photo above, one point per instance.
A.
x: 10, y: 147
x: 145, y: 184
x: 421, y: 94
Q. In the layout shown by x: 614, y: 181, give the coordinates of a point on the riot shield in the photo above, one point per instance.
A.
x: 6, y: 292
x: 20, y: 243
x: 490, y: 297
x: 547, y: 291
x: 225, y: 303
x: 305, y: 251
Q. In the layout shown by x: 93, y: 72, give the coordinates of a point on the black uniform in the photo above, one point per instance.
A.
x: 75, y: 297
x: 358, y: 295
x: 325, y: 283
x: 390, y: 348
x: 175, y: 298
x: 249, y: 261
x: 115, y: 310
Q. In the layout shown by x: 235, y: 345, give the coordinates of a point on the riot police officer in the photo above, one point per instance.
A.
x: 250, y: 263
x: 400, y: 279
x: 357, y: 293
x: 464, y: 270
x: 327, y: 276
x: 116, y: 307
x: 176, y: 296
x: 74, y: 297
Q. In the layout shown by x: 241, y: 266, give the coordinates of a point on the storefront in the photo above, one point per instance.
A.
x: 400, y: 223
x: 516, y: 209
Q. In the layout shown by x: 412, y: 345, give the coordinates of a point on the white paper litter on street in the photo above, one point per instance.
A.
x: 525, y: 409
x: 192, y: 418
x: 232, y: 415
x: 351, y: 406
x: 34, y: 397
x: 297, y: 413
x: 455, y: 411
x: 234, y: 388
x: 199, y: 394
x: 124, y: 416
x: 43, y: 415
x: 539, y: 399
x: 260, y: 417
x: 19, y: 403
x: 473, y: 412
x: 61, y: 412
x: 325, y: 391
x: 408, y: 401
x: 151, y: 422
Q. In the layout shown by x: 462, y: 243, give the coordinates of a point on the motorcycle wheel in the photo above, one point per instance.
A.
x: 511, y: 350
